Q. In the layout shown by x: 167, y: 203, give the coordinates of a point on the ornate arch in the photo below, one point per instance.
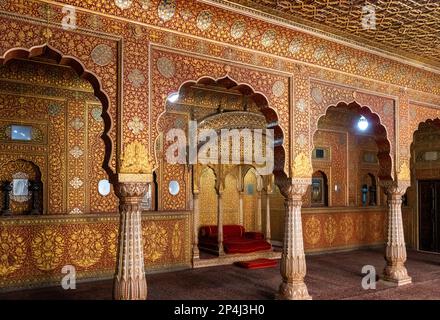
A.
x: 66, y: 60
x: 199, y: 171
x: 420, y: 115
x: 429, y: 122
x: 324, y: 95
x: 381, y: 135
x: 270, y: 114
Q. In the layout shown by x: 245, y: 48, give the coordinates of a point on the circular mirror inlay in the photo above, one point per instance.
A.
x: 174, y: 187
x: 104, y: 187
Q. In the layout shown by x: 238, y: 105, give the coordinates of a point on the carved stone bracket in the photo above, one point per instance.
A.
x: 293, y: 263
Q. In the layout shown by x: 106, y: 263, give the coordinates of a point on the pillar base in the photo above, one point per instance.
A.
x: 293, y: 291
x: 196, y: 253
x: 395, y: 283
x: 133, y: 289
x: 396, y: 276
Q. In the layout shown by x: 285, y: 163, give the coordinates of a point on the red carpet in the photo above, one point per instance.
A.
x: 257, y: 264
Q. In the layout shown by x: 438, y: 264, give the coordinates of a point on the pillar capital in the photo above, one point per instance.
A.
x: 294, y: 188
x: 131, y: 190
x: 394, y: 188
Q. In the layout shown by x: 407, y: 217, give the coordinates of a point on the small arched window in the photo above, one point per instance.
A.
x: 319, y: 196
x: 369, y: 191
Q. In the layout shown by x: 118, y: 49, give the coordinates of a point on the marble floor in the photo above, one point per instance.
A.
x: 329, y: 276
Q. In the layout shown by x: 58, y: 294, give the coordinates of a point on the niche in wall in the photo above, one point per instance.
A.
x: 21, y: 180
x: 319, y: 190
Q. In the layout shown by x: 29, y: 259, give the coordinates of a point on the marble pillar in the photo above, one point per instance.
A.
x: 293, y: 262
x: 196, y: 219
x: 130, y: 281
x: 268, y: 231
x: 395, y: 253
x: 221, y: 251
x: 258, y: 225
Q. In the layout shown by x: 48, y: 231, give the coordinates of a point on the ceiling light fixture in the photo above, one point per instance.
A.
x: 363, y: 123
x: 172, y: 98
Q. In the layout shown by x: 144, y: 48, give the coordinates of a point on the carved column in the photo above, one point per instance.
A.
x: 130, y: 281
x: 220, y: 221
x: 241, y: 209
x: 196, y: 253
x: 395, y: 253
x: 268, y: 231
x: 240, y: 187
x: 293, y: 263
x: 258, y: 226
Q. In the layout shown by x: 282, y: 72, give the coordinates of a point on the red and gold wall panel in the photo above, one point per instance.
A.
x: 34, y: 249
x: 333, y: 228
x: 343, y: 228
x: 168, y: 172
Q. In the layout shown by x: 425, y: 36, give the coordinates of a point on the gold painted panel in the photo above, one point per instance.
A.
x: 208, y: 198
x: 34, y: 250
x: 250, y: 199
x: 231, y: 201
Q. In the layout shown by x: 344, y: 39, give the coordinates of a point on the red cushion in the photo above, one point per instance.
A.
x: 257, y: 264
x: 246, y: 246
x: 254, y: 235
x: 208, y: 231
x: 228, y: 231
x: 235, y: 240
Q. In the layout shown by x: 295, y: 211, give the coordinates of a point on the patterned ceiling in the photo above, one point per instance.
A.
x: 408, y: 28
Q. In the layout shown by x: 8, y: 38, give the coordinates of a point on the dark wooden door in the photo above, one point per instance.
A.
x: 429, y: 209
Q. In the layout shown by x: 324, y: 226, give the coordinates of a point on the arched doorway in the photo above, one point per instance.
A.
x: 422, y: 208
x: 351, y: 154
x: 219, y: 105
x: 54, y: 114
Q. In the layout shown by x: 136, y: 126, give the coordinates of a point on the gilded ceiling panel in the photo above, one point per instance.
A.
x: 409, y: 28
